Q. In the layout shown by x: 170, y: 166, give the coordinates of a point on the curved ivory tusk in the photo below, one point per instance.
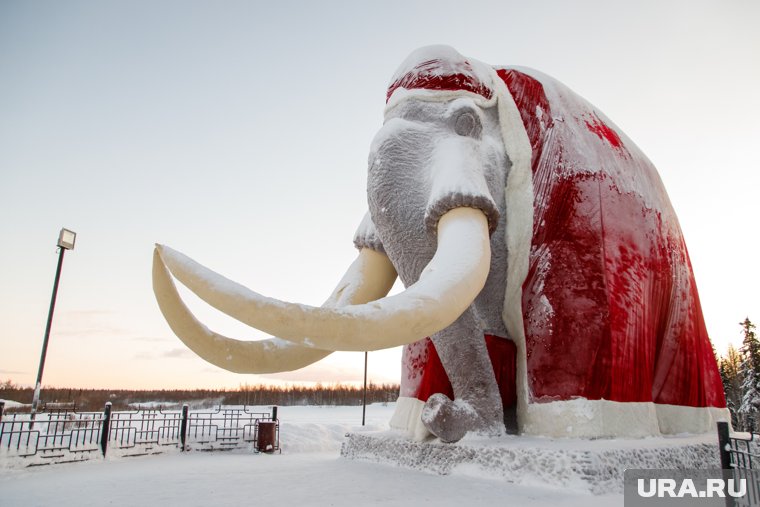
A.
x: 369, y: 277
x: 447, y: 286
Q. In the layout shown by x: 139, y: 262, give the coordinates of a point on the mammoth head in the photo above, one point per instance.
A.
x: 437, y: 168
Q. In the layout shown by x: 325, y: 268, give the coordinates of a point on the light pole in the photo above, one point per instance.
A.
x: 364, y: 396
x: 66, y: 241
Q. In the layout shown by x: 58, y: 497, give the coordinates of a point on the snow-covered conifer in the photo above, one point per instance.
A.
x: 750, y: 372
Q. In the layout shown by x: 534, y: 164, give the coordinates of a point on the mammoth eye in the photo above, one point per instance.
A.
x: 466, y: 124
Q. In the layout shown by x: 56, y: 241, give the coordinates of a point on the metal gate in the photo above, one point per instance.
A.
x: 60, y: 433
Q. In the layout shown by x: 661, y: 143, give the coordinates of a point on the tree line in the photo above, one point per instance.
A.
x: 740, y: 373
x: 125, y: 399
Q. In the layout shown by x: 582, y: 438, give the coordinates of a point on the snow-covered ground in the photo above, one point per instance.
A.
x: 12, y: 404
x: 309, y: 472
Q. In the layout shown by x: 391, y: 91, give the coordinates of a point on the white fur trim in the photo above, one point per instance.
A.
x: 519, y: 234
x: 677, y: 419
x: 582, y: 418
x: 402, y: 94
x: 407, y: 418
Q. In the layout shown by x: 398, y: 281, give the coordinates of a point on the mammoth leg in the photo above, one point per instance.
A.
x: 477, y: 405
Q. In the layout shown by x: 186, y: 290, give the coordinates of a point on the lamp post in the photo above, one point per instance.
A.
x: 364, y: 396
x: 66, y: 241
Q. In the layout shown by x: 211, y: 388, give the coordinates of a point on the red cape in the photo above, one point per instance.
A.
x: 610, y: 306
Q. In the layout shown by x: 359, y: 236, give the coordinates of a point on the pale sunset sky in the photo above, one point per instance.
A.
x: 238, y: 131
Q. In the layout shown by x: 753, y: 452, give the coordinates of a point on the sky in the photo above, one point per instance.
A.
x: 238, y: 133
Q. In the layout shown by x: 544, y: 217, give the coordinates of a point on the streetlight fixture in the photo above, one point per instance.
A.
x: 66, y: 240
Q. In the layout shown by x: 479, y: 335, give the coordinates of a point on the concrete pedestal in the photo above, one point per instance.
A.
x: 595, y: 465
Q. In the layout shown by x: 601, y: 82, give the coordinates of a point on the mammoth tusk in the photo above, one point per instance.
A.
x: 446, y: 287
x: 369, y: 277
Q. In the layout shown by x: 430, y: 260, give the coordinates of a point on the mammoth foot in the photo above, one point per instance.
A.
x: 451, y: 420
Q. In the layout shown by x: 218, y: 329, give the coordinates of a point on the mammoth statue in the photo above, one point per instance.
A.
x: 548, y: 286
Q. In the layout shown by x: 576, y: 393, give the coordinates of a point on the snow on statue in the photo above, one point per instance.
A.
x: 540, y: 254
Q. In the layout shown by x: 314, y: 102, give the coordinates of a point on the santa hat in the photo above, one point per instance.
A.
x: 442, y: 68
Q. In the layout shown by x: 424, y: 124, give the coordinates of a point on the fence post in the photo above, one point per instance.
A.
x: 183, y: 427
x: 106, y: 430
x: 2, y: 408
x: 274, y: 413
x: 724, y: 441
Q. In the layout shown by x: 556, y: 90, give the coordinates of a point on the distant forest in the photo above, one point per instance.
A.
x: 739, y: 371
x: 122, y: 399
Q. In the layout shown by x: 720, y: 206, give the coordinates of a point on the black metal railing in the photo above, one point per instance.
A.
x: 144, y: 431
x: 223, y: 429
x: 59, y: 434
x: 740, y: 457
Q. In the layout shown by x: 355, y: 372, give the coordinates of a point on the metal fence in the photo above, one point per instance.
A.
x: 61, y: 433
x: 740, y: 457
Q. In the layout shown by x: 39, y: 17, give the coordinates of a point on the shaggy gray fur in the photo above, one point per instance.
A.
x: 404, y: 217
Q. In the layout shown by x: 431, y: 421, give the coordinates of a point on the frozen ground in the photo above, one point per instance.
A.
x: 308, y: 472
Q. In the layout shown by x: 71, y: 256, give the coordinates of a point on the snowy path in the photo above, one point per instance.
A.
x: 309, y: 479
x: 309, y: 472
